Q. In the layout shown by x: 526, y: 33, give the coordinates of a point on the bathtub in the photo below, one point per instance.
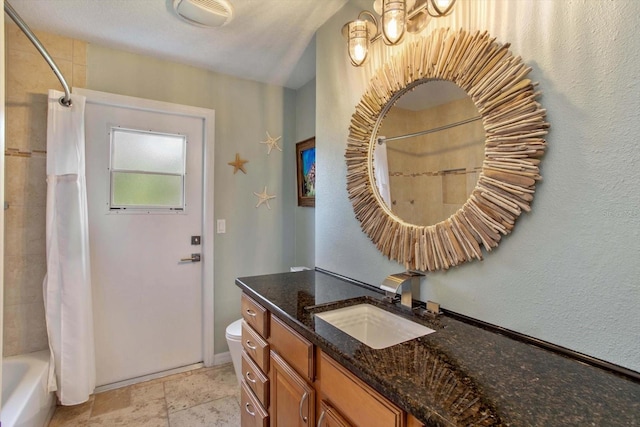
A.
x: 25, y: 401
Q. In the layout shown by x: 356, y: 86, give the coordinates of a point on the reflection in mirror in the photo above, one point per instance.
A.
x: 433, y: 141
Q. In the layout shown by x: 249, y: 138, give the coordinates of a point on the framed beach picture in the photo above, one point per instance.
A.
x: 306, y: 165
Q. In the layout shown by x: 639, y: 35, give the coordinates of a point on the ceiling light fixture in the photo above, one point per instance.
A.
x: 398, y: 17
x: 204, y: 13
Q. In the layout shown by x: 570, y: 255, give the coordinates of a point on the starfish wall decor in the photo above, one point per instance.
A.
x: 264, y: 197
x: 238, y: 164
x: 272, y: 143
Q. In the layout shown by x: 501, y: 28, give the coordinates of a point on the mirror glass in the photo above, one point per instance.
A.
x: 428, y: 152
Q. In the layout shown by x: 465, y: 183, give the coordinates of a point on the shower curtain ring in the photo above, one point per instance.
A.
x: 64, y: 102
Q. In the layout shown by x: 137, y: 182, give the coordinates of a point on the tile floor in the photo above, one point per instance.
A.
x: 202, y: 397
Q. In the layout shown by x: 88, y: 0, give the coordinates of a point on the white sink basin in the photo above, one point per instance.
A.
x: 374, y: 326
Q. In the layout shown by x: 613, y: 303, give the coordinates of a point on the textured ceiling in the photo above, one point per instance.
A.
x: 264, y: 42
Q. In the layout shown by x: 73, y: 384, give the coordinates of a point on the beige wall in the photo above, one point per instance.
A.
x: 28, y: 79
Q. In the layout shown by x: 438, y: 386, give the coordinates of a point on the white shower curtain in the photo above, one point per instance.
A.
x: 381, y: 172
x: 67, y: 285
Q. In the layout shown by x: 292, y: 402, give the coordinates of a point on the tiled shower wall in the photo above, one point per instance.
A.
x: 28, y: 79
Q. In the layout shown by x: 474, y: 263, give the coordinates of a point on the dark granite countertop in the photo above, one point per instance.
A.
x: 461, y: 375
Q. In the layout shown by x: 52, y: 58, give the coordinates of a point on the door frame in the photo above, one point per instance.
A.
x: 208, y: 130
x: 2, y: 196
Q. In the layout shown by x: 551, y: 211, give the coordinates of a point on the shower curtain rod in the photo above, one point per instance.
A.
x: 66, y: 99
x: 382, y: 139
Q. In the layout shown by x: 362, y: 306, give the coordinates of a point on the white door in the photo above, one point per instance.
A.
x: 145, y: 186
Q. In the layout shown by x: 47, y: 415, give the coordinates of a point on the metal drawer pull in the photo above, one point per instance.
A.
x: 246, y: 407
x: 304, y: 397
x: 248, y: 376
x: 251, y: 346
x: 250, y: 312
x: 321, y: 418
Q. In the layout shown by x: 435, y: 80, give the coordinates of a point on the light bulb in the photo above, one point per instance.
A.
x: 357, y: 41
x: 359, y: 52
x: 393, y: 26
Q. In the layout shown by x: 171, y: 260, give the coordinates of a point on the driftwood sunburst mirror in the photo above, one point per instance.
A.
x: 513, y: 141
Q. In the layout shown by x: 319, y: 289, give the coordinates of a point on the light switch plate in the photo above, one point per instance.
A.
x: 221, y: 226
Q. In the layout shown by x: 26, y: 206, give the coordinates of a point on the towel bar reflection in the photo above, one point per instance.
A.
x: 383, y: 139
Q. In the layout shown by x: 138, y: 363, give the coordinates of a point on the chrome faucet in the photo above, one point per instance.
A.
x: 406, y: 284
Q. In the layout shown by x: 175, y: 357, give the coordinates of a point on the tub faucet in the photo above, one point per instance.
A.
x: 405, y: 284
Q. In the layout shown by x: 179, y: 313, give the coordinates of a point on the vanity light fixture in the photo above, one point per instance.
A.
x: 359, y: 34
x: 397, y: 17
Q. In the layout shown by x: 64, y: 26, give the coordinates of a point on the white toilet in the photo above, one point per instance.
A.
x: 234, y: 340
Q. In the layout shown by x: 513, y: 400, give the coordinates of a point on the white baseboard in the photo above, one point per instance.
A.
x: 218, y: 359
x: 221, y: 358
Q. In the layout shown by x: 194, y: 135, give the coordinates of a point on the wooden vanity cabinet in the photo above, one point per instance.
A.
x: 288, y: 382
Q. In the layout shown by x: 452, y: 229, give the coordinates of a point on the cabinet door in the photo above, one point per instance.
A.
x: 330, y: 417
x: 292, y: 399
x: 356, y: 401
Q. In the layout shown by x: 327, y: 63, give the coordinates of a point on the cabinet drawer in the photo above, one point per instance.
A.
x: 252, y: 414
x: 255, y: 379
x: 356, y: 401
x: 255, y: 315
x: 293, y: 347
x: 255, y: 347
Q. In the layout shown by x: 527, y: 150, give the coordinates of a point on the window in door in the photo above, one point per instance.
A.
x: 147, y: 170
